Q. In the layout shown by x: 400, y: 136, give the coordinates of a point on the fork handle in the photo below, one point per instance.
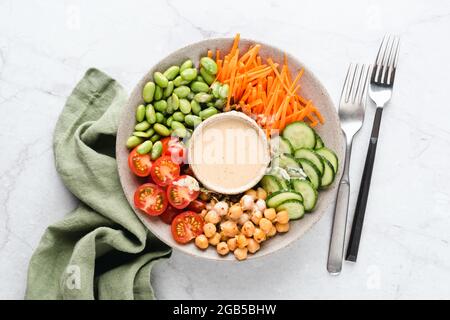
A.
x: 360, y: 210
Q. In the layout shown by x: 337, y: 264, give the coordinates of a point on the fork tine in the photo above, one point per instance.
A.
x: 380, y: 54
x: 393, y: 59
x: 354, y: 84
x: 345, y: 89
x: 362, y: 92
x: 379, y: 58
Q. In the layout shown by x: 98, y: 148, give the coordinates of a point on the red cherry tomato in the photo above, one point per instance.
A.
x: 196, y: 206
x: 174, y: 148
x: 186, y: 226
x: 182, y: 191
x: 164, y: 171
x: 170, y: 213
x: 140, y: 164
x: 151, y: 199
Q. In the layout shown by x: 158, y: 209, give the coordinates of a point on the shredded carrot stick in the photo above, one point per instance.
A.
x: 210, y: 54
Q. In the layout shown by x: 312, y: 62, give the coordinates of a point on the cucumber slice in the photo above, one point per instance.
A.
x: 330, y: 156
x: 311, y: 171
x: 328, y: 175
x: 319, y: 142
x: 281, y: 145
x: 285, y: 161
x: 295, y: 209
x: 271, y: 183
x: 309, y: 194
x: 311, y: 156
x: 283, y: 177
x: 276, y: 198
x: 300, y: 135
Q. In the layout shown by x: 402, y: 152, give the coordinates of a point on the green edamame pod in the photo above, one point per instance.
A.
x: 171, y: 72
x: 169, y: 121
x: 173, y: 103
x: 202, y: 97
x: 156, y: 150
x: 209, y: 65
x: 155, y: 138
x: 219, y: 104
x: 192, y: 120
x: 159, y: 117
x: 223, y: 92
x: 168, y: 91
x: 142, y: 126
x: 208, y: 112
x: 179, y: 81
x: 141, y: 134
x: 161, y: 105
x: 200, y: 79
x: 178, y: 116
x: 160, y: 79
x: 158, y: 93
x: 216, y: 89
x: 145, y: 147
x: 150, y: 132
x: 148, y: 91
x: 176, y: 125
x: 186, y: 65
x: 198, y: 86
x: 209, y: 78
x: 140, y: 113
x: 195, y: 106
x: 180, y: 132
x: 161, y: 129
x: 133, y: 141
x: 189, y: 74
x: 185, y: 106
x: 150, y: 114
x: 182, y: 91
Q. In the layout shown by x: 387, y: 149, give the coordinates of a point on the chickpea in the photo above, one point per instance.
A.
x: 215, y: 239
x: 201, y: 241
x: 265, y: 225
x: 232, y: 244
x: 243, y: 219
x: 282, y: 227
x: 248, y: 229
x: 247, y: 202
x: 235, y: 212
x: 221, y: 208
x: 270, y: 214
x: 256, y: 216
x: 209, y: 229
x: 223, y: 237
x: 241, y: 241
x: 210, y: 205
x: 253, y: 246
x: 240, y: 253
x: 229, y: 228
x: 272, y: 232
x: 261, y: 205
x: 259, y: 235
x: 261, y: 193
x: 283, y: 217
x: 204, y: 196
x: 212, y: 216
x: 251, y: 193
x: 222, y: 248
x: 203, y: 213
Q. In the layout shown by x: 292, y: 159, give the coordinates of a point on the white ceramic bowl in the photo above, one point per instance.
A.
x: 311, y: 89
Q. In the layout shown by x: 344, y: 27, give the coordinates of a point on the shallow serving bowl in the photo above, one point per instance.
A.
x: 311, y: 89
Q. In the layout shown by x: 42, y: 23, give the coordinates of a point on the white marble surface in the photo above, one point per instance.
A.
x: 46, y: 46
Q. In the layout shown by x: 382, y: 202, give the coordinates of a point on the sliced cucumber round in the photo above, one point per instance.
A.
x: 309, y: 194
x: 328, y: 175
x: 271, y: 183
x: 300, y: 135
x: 295, y: 208
x: 311, y: 171
x: 276, y: 198
x: 281, y: 145
x: 311, y: 156
x: 319, y: 142
x: 330, y: 156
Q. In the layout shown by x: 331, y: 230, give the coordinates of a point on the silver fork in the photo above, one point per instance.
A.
x: 380, y: 91
x: 351, y: 114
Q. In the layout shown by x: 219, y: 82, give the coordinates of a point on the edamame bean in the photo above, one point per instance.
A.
x: 200, y: 79
x: 223, y: 92
x: 156, y: 150
x: 161, y: 129
x: 210, y: 104
x: 192, y: 120
x: 190, y: 96
x: 209, y: 78
x: 195, y: 106
x: 155, y: 138
x: 168, y: 91
x: 182, y: 91
x: 189, y: 74
x: 141, y: 134
x: 186, y: 65
x: 159, y: 117
x: 148, y: 91
x: 140, y: 113
x: 171, y: 72
x: 209, y: 65
x: 198, y: 86
x: 142, y: 126
x: 160, y: 79
x: 169, y: 121
x: 208, y: 112
x: 176, y: 125
x: 133, y: 141
x: 202, y: 97
x: 185, y: 106
x: 215, y: 89
x: 173, y: 103
x: 150, y: 132
x: 219, y: 104
x: 144, y: 147
x: 158, y: 93
x: 179, y: 81
x: 150, y: 114
x: 178, y: 116
x: 161, y: 106
x: 180, y: 132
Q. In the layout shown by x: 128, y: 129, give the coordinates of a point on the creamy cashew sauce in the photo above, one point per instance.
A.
x: 228, y: 153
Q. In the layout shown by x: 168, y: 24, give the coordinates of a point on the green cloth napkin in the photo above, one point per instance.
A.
x: 101, y: 250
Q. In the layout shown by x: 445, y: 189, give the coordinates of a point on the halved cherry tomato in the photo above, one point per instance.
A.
x: 173, y: 147
x: 196, y: 206
x: 164, y: 171
x: 140, y: 164
x: 151, y: 199
x: 186, y: 226
x: 170, y: 213
x: 182, y: 191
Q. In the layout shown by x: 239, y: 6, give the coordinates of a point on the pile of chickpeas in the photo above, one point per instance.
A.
x: 241, y: 227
